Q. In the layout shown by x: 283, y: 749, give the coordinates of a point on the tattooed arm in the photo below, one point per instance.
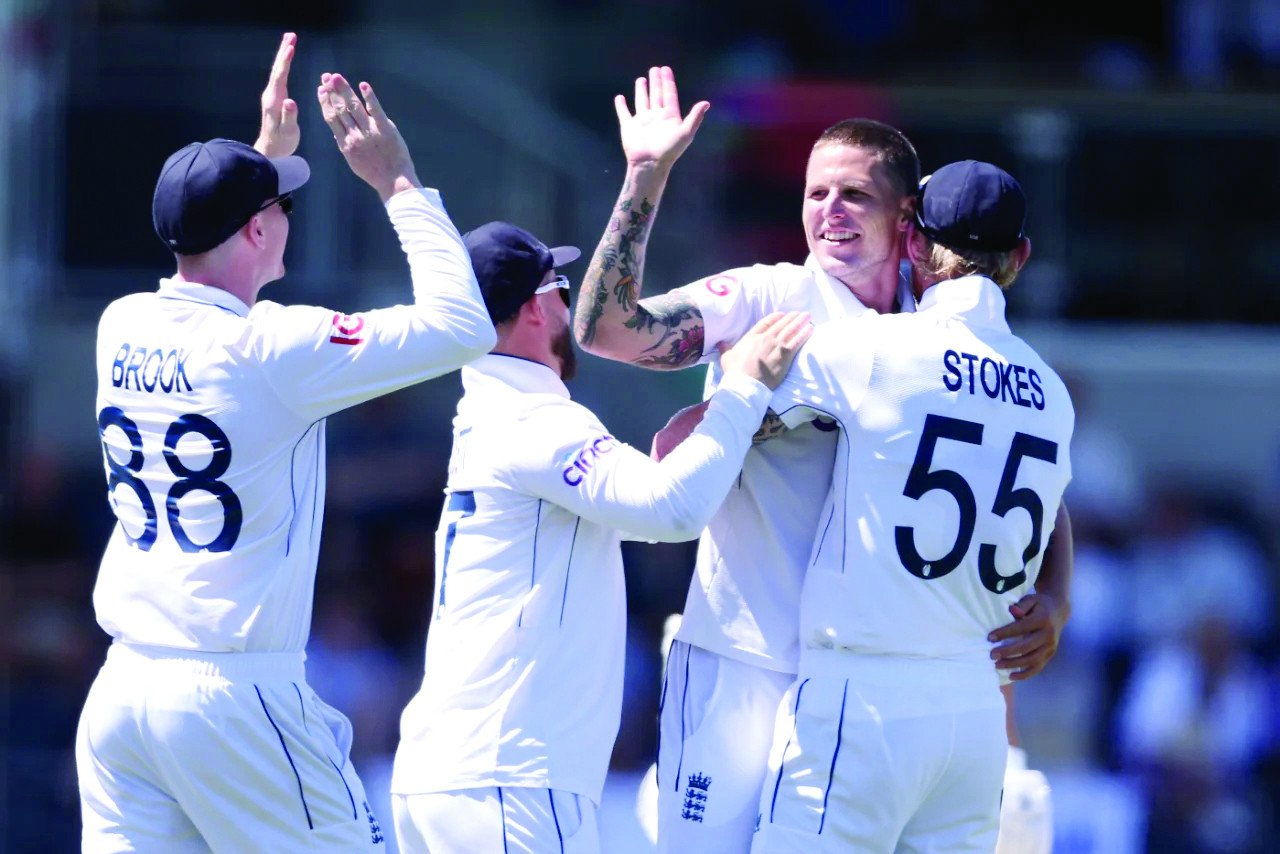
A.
x: 770, y: 428
x: 662, y: 332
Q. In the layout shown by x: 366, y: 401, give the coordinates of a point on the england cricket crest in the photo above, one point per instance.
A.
x: 695, y: 797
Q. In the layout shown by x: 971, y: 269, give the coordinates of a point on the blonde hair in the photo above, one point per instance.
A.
x: 943, y: 263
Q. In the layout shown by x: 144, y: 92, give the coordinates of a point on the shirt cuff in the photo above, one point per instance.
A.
x: 753, y: 392
x: 412, y: 196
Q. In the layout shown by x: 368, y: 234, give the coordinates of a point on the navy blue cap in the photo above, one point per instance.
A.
x: 972, y: 205
x: 510, y: 264
x: 208, y: 190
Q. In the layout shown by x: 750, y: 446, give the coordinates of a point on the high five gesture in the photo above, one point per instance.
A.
x: 656, y: 133
x: 367, y: 138
x: 279, y: 135
x: 663, y: 332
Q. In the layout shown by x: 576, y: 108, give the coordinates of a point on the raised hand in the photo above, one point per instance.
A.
x: 768, y: 349
x: 656, y: 133
x: 367, y: 138
x: 279, y: 135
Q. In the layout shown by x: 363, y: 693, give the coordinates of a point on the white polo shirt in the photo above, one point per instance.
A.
x: 211, y: 415
x: 524, y: 660
x: 952, y: 459
x: 744, y: 598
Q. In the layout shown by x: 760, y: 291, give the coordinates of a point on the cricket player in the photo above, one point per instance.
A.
x: 200, y: 731
x: 737, y: 647
x: 951, y: 461
x: 506, y: 745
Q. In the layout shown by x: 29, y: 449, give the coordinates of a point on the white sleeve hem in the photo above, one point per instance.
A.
x: 400, y: 199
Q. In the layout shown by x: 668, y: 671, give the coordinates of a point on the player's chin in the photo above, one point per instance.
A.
x: 835, y: 260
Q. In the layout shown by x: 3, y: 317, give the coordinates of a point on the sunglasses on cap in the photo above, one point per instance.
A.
x: 557, y: 282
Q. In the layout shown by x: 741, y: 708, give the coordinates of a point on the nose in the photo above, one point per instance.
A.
x: 831, y: 208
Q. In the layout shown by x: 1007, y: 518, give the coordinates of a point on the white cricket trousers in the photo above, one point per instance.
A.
x: 496, y: 820
x: 880, y: 754
x: 716, y: 723
x: 181, y: 751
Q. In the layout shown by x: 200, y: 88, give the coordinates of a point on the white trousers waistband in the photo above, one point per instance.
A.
x: 913, y: 684
x: 232, y: 666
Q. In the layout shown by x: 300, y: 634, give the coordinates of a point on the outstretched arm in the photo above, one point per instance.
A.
x: 673, y: 499
x: 662, y: 332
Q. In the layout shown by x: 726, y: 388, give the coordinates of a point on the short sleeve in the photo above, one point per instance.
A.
x: 730, y: 303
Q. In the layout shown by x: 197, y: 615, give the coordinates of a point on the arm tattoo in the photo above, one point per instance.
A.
x: 669, y: 327
x: 621, y: 252
x: 681, y: 328
x: 770, y: 428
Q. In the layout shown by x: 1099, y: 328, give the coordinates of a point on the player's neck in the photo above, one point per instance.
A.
x: 878, y: 292
x: 226, y: 277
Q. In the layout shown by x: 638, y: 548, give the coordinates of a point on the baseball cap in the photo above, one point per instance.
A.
x: 972, y: 205
x: 509, y: 263
x: 208, y: 190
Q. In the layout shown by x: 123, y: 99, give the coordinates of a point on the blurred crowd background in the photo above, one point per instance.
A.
x: 1150, y: 153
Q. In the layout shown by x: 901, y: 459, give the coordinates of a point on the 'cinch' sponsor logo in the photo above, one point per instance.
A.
x: 582, y: 462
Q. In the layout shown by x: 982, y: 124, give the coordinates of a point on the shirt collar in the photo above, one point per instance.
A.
x: 905, y: 300
x: 524, y: 375
x: 206, y: 294
x: 978, y: 299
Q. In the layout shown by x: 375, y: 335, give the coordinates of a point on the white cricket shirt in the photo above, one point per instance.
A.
x: 522, y: 683
x: 951, y: 462
x: 744, y: 598
x: 211, y: 416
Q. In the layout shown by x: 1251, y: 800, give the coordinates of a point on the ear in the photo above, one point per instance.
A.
x: 908, y: 213
x: 1023, y: 252
x: 916, y: 243
x: 531, y: 311
x: 252, y: 230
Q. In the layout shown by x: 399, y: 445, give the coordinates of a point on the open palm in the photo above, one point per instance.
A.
x: 657, y: 133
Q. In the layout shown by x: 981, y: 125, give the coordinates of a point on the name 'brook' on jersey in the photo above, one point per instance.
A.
x: 211, y: 416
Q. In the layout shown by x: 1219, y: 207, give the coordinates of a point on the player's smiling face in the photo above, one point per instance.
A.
x: 853, y: 216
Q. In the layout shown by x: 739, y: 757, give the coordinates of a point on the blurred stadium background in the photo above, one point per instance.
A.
x: 1150, y: 152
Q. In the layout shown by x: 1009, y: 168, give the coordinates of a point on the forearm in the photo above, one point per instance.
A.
x: 1010, y: 720
x: 770, y: 428
x: 611, y: 321
x: 1059, y: 560
x: 691, y: 482
x: 673, y: 500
